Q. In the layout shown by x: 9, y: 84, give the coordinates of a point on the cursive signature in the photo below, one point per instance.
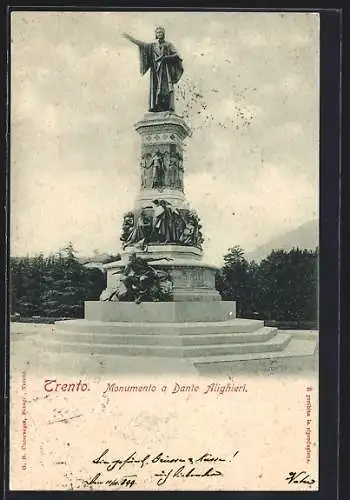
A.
x: 184, y: 473
x: 299, y: 478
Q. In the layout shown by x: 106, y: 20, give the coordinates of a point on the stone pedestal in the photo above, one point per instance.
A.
x: 161, y: 173
x: 164, y: 133
x: 193, y: 280
x: 151, y: 316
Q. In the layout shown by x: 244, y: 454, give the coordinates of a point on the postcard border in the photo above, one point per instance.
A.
x: 329, y: 299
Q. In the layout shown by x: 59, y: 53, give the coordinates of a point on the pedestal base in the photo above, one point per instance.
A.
x: 193, y: 280
x: 152, y: 313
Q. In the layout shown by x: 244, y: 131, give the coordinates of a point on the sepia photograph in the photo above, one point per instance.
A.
x: 164, y: 250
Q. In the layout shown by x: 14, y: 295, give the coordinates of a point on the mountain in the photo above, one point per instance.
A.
x: 304, y: 237
x: 99, y: 258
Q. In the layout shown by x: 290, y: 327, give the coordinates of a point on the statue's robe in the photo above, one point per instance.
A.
x: 158, y: 172
x: 163, y: 73
x: 139, y: 232
x: 173, y: 174
x: 168, y: 224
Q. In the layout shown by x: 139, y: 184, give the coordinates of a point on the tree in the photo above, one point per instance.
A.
x: 233, y: 280
x: 55, y: 286
x: 287, y: 284
x: 26, y: 275
x: 68, y: 284
x: 282, y: 287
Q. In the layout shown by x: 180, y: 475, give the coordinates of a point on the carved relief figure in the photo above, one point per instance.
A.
x: 147, y: 171
x: 141, y: 231
x: 191, y: 234
x: 198, y: 237
x: 180, y: 171
x: 128, y: 224
x: 188, y: 235
x: 144, y: 171
x: 158, y: 170
x: 173, y: 172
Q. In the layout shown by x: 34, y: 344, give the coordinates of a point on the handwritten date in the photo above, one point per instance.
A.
x: 126, y: 481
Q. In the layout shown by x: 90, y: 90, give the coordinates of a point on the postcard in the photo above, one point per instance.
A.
x: 164, y: 251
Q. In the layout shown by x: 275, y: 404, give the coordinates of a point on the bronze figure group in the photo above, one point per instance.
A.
x: 139, y: 282
x: 161, y: 223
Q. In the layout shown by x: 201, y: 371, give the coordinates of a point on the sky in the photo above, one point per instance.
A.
x: 250, y: 93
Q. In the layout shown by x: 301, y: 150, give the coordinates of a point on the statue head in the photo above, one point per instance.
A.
x: 160, y: 33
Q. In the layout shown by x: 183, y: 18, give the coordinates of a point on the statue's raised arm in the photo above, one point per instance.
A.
x: 165, y: 65
x: 132, y: 39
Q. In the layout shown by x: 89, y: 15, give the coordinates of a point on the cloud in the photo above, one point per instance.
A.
x: 84, y: 209
x: 296, y: 30
x: 253, y: 38
x: 248, y: 218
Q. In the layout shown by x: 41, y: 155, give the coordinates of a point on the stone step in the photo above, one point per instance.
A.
x: 237, y: 325
x: 186, y: 311
x: 276, y: 343
x: 294, y: 348
x: 122, y: 338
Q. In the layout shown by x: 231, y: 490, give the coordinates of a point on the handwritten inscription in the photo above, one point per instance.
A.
x: 299, y: 478
x: 185, y: 473
x: 161, y: 467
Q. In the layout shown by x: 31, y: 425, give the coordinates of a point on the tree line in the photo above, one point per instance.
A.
x: 282, y: 287
x: 54, y: 286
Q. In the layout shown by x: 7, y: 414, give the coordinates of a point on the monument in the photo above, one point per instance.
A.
x: 161, y: 223
x: 160, y: 300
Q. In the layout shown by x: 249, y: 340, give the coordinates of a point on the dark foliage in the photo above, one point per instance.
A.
x: 282, y: 287
x: 53, y: 286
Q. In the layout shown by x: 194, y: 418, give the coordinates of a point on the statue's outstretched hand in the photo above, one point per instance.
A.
x: 128, y: 37
x: 131, y: 39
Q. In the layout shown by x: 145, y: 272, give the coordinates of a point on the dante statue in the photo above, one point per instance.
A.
x: 165, y: 65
